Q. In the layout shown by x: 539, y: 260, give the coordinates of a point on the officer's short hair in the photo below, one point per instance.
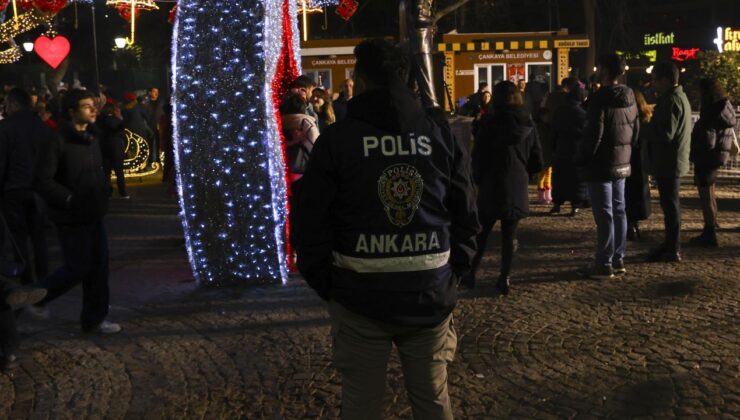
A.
x: 666, y: 70
x: 380, y: 62
x: 18, y: 99
x: 613, y: 64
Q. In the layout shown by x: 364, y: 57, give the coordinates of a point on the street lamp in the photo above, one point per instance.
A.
x: 28, y: 46
x: 120, y: 42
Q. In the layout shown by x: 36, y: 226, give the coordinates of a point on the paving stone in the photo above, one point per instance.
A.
x: 658, y: 343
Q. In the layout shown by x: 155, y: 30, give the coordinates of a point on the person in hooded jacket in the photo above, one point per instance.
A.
x: 386, y: 226
x: 566, y: 130
x: 612, y: 127
x: 711, y: 142
x: 506, y: 153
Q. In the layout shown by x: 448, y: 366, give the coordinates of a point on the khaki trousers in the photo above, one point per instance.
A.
x: 362, y: 347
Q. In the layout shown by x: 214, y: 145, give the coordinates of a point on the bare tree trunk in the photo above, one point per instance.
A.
x: 589, y: 13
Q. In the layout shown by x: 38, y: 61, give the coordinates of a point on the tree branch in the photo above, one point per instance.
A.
x: 447, y: 10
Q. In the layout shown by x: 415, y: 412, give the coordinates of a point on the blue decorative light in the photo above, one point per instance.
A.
x: 229, y: 160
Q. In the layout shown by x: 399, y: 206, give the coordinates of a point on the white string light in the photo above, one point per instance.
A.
x: 228, y: 156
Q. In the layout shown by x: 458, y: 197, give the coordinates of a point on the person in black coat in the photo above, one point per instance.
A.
x: 566, y: 130
x: 113, y: 145
x: 76, y: 190
x: 506, y: 153
x: 637, y: 186
x: 23, y: 136
x: 711, y: 142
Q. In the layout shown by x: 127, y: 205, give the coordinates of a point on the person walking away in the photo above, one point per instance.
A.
x: 23, y: 137
x: 322, y: 104
x: 387, y: 224
x: 711, y: 143
x: 637, y: 186
x: 603, y: 157
x: 669, y: 144
x: 566, y: 132
x: 300, y: 131
x: 113, y: 145
x: 76, y: 189
x: 506, y: 152
x: 345, y: 95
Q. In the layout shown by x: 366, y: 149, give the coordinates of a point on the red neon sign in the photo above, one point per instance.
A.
x: 680, y: 54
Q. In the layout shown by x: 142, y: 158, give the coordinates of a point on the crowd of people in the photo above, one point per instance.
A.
x: 393, y: 214
x: 57, y: 155
x: 600, y: 144
x: 390, y: 213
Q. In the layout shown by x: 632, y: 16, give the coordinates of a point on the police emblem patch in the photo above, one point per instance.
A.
x: 399, y: 189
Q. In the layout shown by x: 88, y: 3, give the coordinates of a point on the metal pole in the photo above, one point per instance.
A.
x: 95, y: 50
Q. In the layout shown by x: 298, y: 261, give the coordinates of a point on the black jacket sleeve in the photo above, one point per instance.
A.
x: 52, y: 191
x: 461, y: 202
x: 313, y: 230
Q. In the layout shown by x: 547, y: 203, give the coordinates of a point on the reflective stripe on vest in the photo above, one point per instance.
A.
x: 392, y: 264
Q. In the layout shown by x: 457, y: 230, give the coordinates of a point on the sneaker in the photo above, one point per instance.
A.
x: 618, y: 267
x: 39, y: 313
x: 555, y: 209
x: 25, y: 295
x: 597, y: 273
x: 105, y: 327
x: 125, y: 197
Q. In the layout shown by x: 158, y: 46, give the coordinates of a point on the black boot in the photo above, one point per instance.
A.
x: 708, y: 238
x: 503, y: 284
x: 633, y: 232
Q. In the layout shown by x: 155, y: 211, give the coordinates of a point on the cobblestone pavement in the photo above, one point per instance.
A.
x: 662, y: 342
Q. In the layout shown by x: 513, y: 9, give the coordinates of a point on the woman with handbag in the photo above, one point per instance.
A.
x: 711, y: 144
x: 506, y: 153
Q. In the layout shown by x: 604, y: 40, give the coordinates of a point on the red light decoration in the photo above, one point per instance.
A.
x: 680, y: 54
x: 347, y: 9
x: 48, y: 6
x: 52, y: 51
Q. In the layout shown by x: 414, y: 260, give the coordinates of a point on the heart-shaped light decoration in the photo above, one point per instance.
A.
x: 53, y: 51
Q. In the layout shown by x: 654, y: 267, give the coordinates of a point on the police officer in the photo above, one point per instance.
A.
x: 386, y: 225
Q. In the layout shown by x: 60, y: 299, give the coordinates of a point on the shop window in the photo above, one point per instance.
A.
x: 488, y: 73
x: 541, y: 74
x: 322, y: 77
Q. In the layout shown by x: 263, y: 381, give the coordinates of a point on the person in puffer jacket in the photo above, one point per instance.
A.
x: 711, y: 142
x: 386, y: 224
x: 612, y: 127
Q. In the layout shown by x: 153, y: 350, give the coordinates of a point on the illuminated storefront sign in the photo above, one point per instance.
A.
x: 680, y: 54
x: 659, y: 39
x: 650, y: 55
x: 728, y: 39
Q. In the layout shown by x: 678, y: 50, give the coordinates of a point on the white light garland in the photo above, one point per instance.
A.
x: 229, y: 162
